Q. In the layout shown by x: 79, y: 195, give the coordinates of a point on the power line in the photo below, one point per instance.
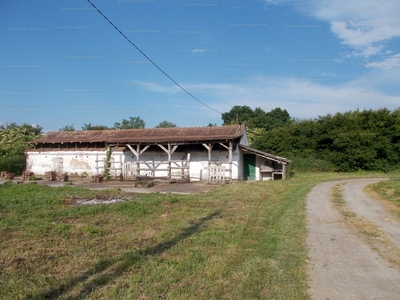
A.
x: 148, y: 58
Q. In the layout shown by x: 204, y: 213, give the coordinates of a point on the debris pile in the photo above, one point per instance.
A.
x: 97, y: 178
x: 26, y: 175
x: 53, y: 176
x: 6, y: 175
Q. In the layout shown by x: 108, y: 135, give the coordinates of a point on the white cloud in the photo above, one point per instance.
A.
x: 361, y: 24
x: 388, y: 63
x: 302, y: 98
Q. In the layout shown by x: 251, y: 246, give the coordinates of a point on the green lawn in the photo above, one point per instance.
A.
x: 241, y: 241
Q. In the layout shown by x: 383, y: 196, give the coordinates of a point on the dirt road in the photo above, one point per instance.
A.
x: 341, y: 264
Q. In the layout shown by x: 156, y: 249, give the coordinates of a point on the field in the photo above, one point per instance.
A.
x: 240, y: 241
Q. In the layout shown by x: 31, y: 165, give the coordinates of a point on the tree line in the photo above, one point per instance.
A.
x: 349, y: 141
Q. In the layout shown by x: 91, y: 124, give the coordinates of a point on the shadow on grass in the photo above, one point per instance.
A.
x: 97, y: 276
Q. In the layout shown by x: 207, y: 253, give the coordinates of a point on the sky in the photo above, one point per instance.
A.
x: 62, y: 63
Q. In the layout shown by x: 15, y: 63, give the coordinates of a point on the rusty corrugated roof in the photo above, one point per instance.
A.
x: 150, y: 135
x: 265, y: 154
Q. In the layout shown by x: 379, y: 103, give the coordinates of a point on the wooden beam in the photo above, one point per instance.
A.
x: 162, y: 147
x: 208, y: 147
x: 144, y: 149
x: 173, y: 149
x: 133, y: 150
x: 225, y: 146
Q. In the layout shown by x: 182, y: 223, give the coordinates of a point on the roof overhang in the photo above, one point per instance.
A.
x: 266, y: 155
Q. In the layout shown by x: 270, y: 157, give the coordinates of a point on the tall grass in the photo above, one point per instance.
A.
x: 389, y: 192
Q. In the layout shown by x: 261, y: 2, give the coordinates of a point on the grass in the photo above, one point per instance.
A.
x: 240, y: 241
x: 388, y: 192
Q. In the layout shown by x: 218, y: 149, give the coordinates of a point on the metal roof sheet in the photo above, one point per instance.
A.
x: 265, y: 154
x: 151, y: 135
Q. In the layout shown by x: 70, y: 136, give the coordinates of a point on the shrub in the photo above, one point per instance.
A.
x: 301, y: 164
x: 13, y: 164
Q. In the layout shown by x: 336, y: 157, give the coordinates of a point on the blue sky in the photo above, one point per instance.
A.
x: 62, y: 63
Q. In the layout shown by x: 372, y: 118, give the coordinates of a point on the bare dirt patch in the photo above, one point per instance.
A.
x: 134, y: 187
x: 342, y: 265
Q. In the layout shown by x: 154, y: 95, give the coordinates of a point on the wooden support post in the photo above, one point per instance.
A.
x: 230, y: 149
x: 209, y: 148
x: 283, y: 171
x: 188, y: 165
x: 137, y: 154
x: 169, y: 161
x: 137, y: 161
x: 170, y: 150
x: 230, y: 161
x: 121, y: 176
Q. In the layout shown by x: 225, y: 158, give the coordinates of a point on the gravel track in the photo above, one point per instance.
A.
x: 341, y: 265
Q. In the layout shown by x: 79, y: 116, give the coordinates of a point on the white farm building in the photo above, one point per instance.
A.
x: 216, y: 153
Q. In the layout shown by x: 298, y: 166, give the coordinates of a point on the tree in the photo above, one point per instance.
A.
x: 238, y: 115
x: 276, y: 118
x: 67, y: 128
x: 350, y: 141
x: 132, y: 123
x: 28, y: 128
x: 257, y: 118
x: 89, y: 126
x: 14, y: 141
x: 165, y: 124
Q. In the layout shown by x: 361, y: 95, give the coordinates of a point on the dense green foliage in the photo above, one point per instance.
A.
x: 256, y: 118
x: 350, y: 141
x: 14, y: 164
x: 14, y: 140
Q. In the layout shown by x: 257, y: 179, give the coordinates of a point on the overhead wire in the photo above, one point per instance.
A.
x: 148, y: 58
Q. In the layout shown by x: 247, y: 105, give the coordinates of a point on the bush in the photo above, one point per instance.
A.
x: 301, y: 164
x: 13, y: 164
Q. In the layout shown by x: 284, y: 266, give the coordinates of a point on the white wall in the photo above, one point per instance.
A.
x: 92, y: 162
x: 78, y: 162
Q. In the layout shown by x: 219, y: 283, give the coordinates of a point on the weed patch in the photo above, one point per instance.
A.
x: 367, y: 230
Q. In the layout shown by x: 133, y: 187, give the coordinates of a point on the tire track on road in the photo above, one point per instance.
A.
x: 341, y: 265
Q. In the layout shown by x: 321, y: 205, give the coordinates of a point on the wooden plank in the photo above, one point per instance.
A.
x: 225, y: 146
x: 162, y: 147
x: 144, y: 149
x: 133, y: 150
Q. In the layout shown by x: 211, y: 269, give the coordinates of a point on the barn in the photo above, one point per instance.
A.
x: 211, y: 154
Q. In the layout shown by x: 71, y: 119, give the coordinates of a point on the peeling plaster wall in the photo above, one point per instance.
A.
x: 73, y: 162
x: 84, y: 162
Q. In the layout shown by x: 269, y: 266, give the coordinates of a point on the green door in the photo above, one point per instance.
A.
x: 249, y: 161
